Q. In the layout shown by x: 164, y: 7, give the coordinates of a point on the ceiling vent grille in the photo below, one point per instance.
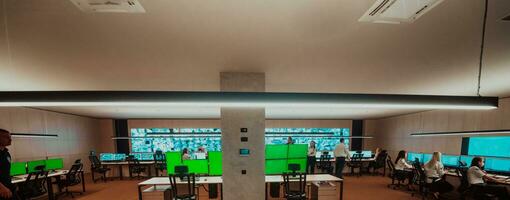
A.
x: 398, y: 11
x: 109, y: 6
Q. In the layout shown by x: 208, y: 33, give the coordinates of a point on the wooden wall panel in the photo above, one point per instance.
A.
x: 393, y: 133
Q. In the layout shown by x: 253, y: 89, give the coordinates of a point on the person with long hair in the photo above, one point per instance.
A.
x: 478, y: 177
x: 312, y: 159
x: 402, y: 165
x: 434, y: 170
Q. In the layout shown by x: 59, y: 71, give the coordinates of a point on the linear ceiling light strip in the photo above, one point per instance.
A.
x: 161, y: 98
x: 33, y: 135
x: 461, y: 133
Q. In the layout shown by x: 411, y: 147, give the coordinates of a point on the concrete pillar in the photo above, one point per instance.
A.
x: 236, y: 185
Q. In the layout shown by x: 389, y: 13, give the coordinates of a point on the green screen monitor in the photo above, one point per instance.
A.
x: 54, y: 164
x: 197, y: 166
x: 298, y: 151
x: 277, y: 151
x: 18, y: 168
x: 173, y: 158
x: 300, y: 161
x: 31, y: 165
x: 215, y: 163
x: 276, y: 166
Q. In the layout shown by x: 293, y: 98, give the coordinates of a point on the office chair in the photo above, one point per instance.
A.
x: 135, y: 167
x: 96, y: 167
x: 380, y: 163
x: 35, y: 184
x: 159, y: 162
x: 395, y: 175
x: 421, y: 181
x: 294, y: 168
x: 290, y: 190
x: 71, y: 179
x: 470, y: 191
x: 355, y: 163
x: 325, y: 163
x: 186, y: 193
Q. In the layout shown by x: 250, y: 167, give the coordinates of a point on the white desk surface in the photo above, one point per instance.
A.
x: 504, y: 179
x: 23, y: 178
x: 218, y: 179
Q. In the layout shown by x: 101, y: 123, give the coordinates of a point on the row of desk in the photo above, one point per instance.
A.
x: 312, y: 178
x: 53, y: 174
x: 504, y: 180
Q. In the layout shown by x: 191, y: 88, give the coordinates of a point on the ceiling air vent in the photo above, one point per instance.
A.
x: 109, y: 6
x: 398, y: 11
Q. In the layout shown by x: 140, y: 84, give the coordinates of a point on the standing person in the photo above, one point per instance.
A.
x: 312, y: 159
x: 7, y: 189
x: 289, y: 140
x: 434, y: 170
x: 341, y: 152
x: 477, y: 177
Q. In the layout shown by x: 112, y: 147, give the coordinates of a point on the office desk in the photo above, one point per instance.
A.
x: 56, y: 174
x: 505, y: 180
x: 219, y: 180
x: 121, y: 164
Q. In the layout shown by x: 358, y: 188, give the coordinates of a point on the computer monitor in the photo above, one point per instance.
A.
x: 450, y: 160
x: 497, y: 164
x: 108, y: 157
x: 351, y: 153
x: 278, y: 166
x: 277, y: 151
x: 426, y: 158
x: 54, y: 164
x: 367, y: 154
x: 31, y: 165
x: 197, y: 166
x: 200, y: 156
x: 18, y: 168
x: 298, y: 151
x: 411, y: 156
x: 143, y: 156
x: 215, y: 163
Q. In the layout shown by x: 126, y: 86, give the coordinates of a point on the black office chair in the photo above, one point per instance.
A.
x: 421, y: 181
x: 96, y: 167
x: 35, y: 184
x: 135, y: 167
x: 295, y: 189
x: 325, y: 163
x: 397, y: 176
x: 468, y: 191
x: 379, y: 163
x: 72, y: 178
x: 159, y: 162
x: 356, y: 163
x: 183, y: 191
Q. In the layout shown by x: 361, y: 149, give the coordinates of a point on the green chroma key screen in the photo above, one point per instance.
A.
x: 18, y: 168
x: 215, y: 165
x: 173, y: 158
x: 32, y: 164
x: 54, y: 164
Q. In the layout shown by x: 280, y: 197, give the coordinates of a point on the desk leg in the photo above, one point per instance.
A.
x: 341, y: 190
x: 50, y: 188
x: 120, y: 172
x: 140, y: 192
x: 82, y: 181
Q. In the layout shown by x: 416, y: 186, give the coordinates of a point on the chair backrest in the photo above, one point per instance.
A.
x: 298, y: 179
x: 390, y: 164
x: 94, y: 162
x: 464, y: 182
x: 35, y: 184
x: 418, y: 169
x: 294, y: 167
x: 72, y: 177
x: 188, y: 179
x: 462, y: 163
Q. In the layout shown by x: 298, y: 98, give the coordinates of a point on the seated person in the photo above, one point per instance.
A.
x: 185, y: 154
x: 434, y: 170
x: 402, y: 165
x: 478, y: 177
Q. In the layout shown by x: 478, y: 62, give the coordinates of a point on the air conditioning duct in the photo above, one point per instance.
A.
x: 109, y: 6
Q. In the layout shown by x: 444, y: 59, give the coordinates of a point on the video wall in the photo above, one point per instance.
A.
x: 176, y: 139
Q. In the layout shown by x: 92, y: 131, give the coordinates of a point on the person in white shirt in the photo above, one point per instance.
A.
x: 434, y: 170
x: 312, y: 152
x: 341, y: 152
x: 477, y: 177
x: 404, y: 167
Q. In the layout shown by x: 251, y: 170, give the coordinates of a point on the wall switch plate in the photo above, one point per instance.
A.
x: 244, y: 130
x: 243, y: 171
x: 244, y: 139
